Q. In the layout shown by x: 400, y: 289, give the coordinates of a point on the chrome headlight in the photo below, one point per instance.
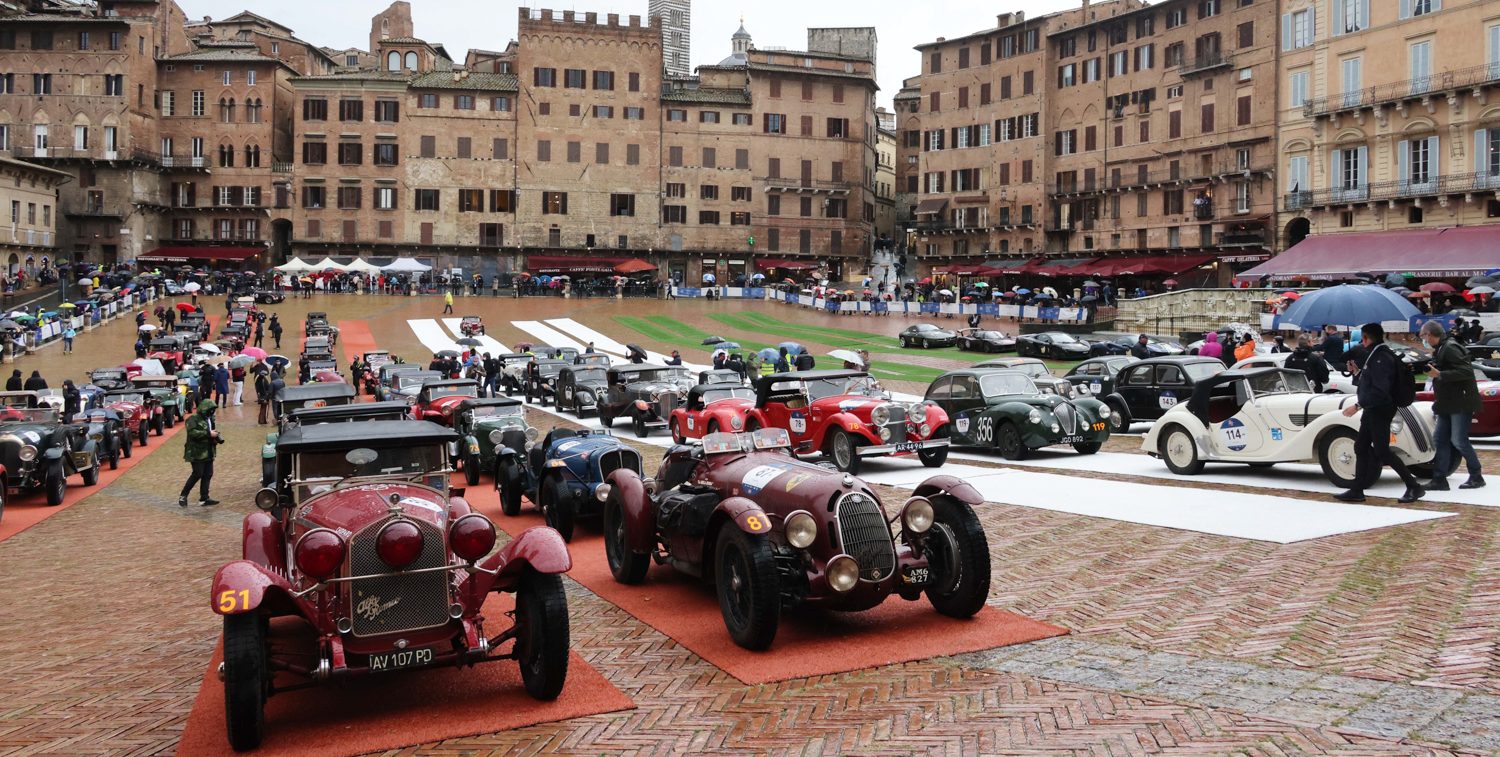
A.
x: 1398, y: 425
x: 1104, y: 411
x: 27, y: 453
x: 736, y: 423
x: 917, y: 516
x: 1056, y: 428
x: 1035, y: 416
x: 842, y: 573
x: 924, y: 430
x: 531, y: 434
x: 1082, y: 389
x: 801, y: 530
x: 881, y: 415
x: 585, y: 396
x: 917, y: 412
x: 885, y: 434
x: 601, y: 492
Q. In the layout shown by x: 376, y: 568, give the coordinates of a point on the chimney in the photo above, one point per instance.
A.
x: 1002, y: 20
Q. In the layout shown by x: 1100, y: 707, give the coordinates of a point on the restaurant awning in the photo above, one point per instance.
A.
x: 1055, y: 267
x: 1008, y: 267
x: 1165, y: 264
x: 961, y: 269
x: 928, y: 207
x: 188, y: 254
x: 766, y: 264
x: 1453, y: 251
x: 559, y: 264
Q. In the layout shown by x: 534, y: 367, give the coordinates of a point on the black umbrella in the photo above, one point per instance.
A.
x: 469, y: 341
x: 713, y: 340
x: 447, y: 353
x: 1088, y: 298
x: 635, y: 351
x: 1465, y: 312
x: 1480, y: 281
x: 9, y: 325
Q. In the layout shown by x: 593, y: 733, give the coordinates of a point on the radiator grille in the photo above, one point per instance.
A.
x: 666, y: 403
x: 1418, y: 431
x: 866, y: 536
x: 1067, y: 418
x: 420, y: 600
x: 614, y: 460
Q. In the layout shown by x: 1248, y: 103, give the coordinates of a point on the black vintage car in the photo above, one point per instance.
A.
x: 385, y: 384
x: 541, y: 380
x: 563, y: 476
x: 1058, y: 345
x: 39, y: 452
x: 268, y: 297
x: 294, y: 398
x: 1146, y: 390
x: 1097, y: 374
x: 595, y: 359
x: 513, y: 371
x: 985, y: 340
x: 112, y: 438
x: 362, y: 411
x: 1037, y: 371
x: 580, y: 387
x: 642, y: 393
x: 110, y: 379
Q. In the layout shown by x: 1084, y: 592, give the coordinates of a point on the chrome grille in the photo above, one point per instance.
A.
x: 866, y: 536
x: 614, y: 460
x: 421, y: 600
x: 1418, y: 430
x: 1067, y: 418
x: 1302, y: 419
x: 666, y: 403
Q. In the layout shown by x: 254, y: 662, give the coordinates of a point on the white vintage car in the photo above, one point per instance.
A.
x: 1266, y: 416
x: 1338, y: 381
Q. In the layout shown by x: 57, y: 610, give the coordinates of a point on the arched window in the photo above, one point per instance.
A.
x: 411, y: 61
x: 393, y: 61
x: 226, y: 110
x: 226, y: 156
x: 252, y: 111
x: 252, y: 156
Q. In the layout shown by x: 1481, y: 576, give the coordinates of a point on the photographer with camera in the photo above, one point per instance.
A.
x: 203, y: 441
x: 1457, y: 400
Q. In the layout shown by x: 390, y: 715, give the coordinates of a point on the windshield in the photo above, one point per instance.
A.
x: 1002, y: 384
x: 499, y: 411
x: 1062, y: 338
x: 29, y: 414
x: 714, y: 395
x: 107, y: 376
x: 452, y: 391
x: 833, y: 387
x: 136, y: 398
x: 410, y: 380
x: 679, y: 373
x: 1200, y: 371
x: 551, y: 369
x: 990, y: 334
x: 926, y: 327
x: 593, y: 374
x: 645, y: 376
x: 390, y: 461
x: 1278, y: 382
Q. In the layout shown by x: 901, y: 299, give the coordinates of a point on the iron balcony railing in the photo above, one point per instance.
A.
x: 1400, y: 189
x: 1207, y: 62
x: 1136, y: 180
x: 1443, y: 81
x: 172, y: 161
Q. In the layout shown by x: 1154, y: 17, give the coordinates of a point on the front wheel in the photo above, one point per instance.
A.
x: 247, y: 676
x: 844, y: 451
x: 129, y: 445
x: 91, y: 473
x: 747, y: 584
x: 542, y: 634
x: 557, y: 506
x: 508, y: 477
x: 169, y: 420
x: 114, y: 457
x: 1086, y: 448
x: 1009, y: 442
x: 56, y: 485
x: 935, y: 456
x: 625, y: 564
x: 145, y: 430
x: 677, y: 437
x: 471, y: 469
x: 960, y: 556
x: 1336, y: 453
x: 1180, y: 452
x: 605, y: 419
x: 639, y: 424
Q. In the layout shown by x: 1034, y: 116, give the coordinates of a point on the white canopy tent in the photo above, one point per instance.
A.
x: 406, y: 265
x: 360, y: 265
x: 295, y: 265
x: 328, y: 264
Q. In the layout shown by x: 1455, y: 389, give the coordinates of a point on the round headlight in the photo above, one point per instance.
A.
x: 1056, y: 428
x: 801, y: 530
x: 399, y: 543
x: 736, y: 423
x: 496, y: 436
x: 586, y: 397
x: 1397, y: 426
x: 1104, y: 411
x: 1034, y: 416
x: 885, y: 434
x: 319, y: 553
x: 532, y: 434
x: 881, y: 415
x: 601, y: 492
x: 472, y: 536
x: 1082, y: 389
x: 27, y: 453
x: 266, y: 498
x: 917, y: 412
x: 843, y: 573
x: 917, y: 516
x: 924, y: 430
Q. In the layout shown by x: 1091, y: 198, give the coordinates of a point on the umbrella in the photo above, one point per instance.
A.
x: 192, y: 287
x: 255, y: 352
x: 9, y: 325
x: 713, y: 340
x: 278, y: 361
x: 1482, y: 290
x: 985, y: 284
x: 85, y: 282
x: 634, y: 351
x: 1437, y: 286
x: 848, y: 356
x: 1089, y: 298
x: 20, y: 314
x: 766, y: 353
x: 1403, y: 291
x: 1366, y: 275
x: 727, y: 346
x: 241, y: 361
x: 1170, y: 282
x: 144, y: 327
x: 67, y: 306
x: 1095, y: 283
x: 469, y: 341
x: 446, y: 353
x: 757, y: 277
x: 209, y: 347
x: 1022, y: 291
x: 219, y: 360
x: 792, y: 348
x: 1348, y: 305
x: 24, y: 317
x: 187, y: 307
x: 1465, y: 312
x: 709, y: 278
x: 1395, y: 280
x: 927, y: 280
x: 1417, y: 295
x: 1479, y: 281
x: 946, y: 292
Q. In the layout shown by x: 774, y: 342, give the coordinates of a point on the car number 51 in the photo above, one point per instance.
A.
x: 231, y: 600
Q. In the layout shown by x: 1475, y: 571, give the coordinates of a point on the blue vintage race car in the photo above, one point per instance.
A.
x: 563, y: 476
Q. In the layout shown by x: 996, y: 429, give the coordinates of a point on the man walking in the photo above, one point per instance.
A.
x: 1457, y: 395
x: 260, y: 332
x: 1333, y: 346
x: 202, y: 443
x: 447, y: 302
x: 1141, y: 349
x: 276, y: 330
x: 68, y: 335
x: 1379, y: 397
x: 262, y: 395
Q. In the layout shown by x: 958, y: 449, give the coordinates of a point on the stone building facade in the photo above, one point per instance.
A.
x: 29, y: 198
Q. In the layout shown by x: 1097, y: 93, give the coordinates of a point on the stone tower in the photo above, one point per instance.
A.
x: 676, y: 20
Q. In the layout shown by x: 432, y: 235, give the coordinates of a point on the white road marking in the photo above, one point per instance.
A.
x: 486, y: 343
x: 604, y: 343
x: 546, y: 334
x: 432, y: 335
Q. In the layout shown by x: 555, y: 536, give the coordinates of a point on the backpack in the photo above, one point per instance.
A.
x: 1405, y: 391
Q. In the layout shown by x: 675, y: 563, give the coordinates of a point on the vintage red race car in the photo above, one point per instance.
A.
x: 711, y: 408
x: 361, y: 538
x: 1487, y: 421
x: 471, y: 325
x: 438, y: 401
x: 139, y: 411
x: 845, y: 416
x: 772, y: 532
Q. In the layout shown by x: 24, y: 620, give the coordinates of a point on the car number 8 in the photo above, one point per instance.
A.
x: 756, y: 524
x: 231, y: 600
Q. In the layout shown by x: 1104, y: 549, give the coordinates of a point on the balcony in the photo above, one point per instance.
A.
x: 1392, y: 191
x: 281, y: 167
x: 94, y: 212
x: 31, y: 237
x: 172, y: 161
x: 1203, y: 211
x: 808, y: 185
x: 1204, y: 63
x: 1163, y: 177
x: 1440, y: 83
x: 1246, y: 237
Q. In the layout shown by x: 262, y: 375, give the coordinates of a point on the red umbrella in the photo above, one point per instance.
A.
x: 187, y: 307
x: 1291, y: 296
x: 1437, y: 286
x: 927, y: 280
x: 1170, y: 282
x: 1418, y: 296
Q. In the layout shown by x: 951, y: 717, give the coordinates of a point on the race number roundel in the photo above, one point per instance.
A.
x: 1234, y: 434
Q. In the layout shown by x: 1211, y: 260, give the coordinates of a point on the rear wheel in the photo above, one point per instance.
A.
x: 169, y: 418
x: 960, y: 557
x: 1180, y: 452
x: 247, y: 678
x: 557, y: 506
x: 114, y: 455
x: 844, y: 451
x: 627, y: 566
x: 1009, y: 442
x: 1337, y: 456
x: 542, y: 633
x: 747, y: 584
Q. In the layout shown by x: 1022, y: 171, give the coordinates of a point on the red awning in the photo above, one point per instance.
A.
x: 766, y: 264
x: 634, y: 265
x: 555, y: 264
x: 1447, y: 252
x: 1007, y: 267
x: 929, y: 207
x: 1150, y: 264
x: 961, y: 269
x: 1056, y: 267
x: 188, y: 254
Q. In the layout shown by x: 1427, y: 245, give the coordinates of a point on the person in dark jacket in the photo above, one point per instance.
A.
x: 1457, y: 401
x: 14, y: 383
x: 202, y: 445
x: 1376, y: 379
x: 1141, y: 349
x: 262, y: 395
x: 1309, y: 362
x: 675, y: 359
x: 720, y: 358
x: 1333, y: 346
x: 221, y: 384
x: 736, y: 363
x: 72, y: 399
x: 1280, y: 346
x: 783, y: 365
x: 276, y: 330
x: 35, y: 383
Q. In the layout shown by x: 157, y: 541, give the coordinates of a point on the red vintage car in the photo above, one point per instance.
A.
x: 845, y: 416
x: 711, y: 408
x: 471, y: 325
x: 772, y: 533
x: 1487, y: 422
x: 362, y: 540
x: 169, y: 350
x: 438, y: 401
x: 139, y: 411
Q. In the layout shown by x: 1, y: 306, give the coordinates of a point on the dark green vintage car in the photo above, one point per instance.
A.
x: 1004, y: 410
x: 164, y: 389
x: 485, y: 424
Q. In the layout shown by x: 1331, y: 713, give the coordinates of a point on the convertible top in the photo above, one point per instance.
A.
x: 384, y: 434
x: 325, y: 391
x: 1203, y: 390
x: 363, y: 411
x: 473, y: 402
x: 450, y: 382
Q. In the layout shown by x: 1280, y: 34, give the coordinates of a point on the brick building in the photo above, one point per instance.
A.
x: 29, y: 197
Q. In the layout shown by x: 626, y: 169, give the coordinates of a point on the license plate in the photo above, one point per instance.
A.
x: 908, y: 446
x: 401, y: 658
x: 1075, y: 439
x: 915, y: 576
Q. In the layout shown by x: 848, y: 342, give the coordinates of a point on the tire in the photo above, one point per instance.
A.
x: 170, y: 418
x: 1119, y: 422
x: 627, y: 566
x: 4, y: 492
x: 1264, y: 466
x: 1179, y: 452
x: 144, y: 432
x: 471, y: 470
x: 158, y: 427
x: 542, y: 634
x: 605, y: 419
x: 557, y: 506
x: 1009, y: 443
x: 677, y: 437
x: 748, y: 587
x: 247, y: 678
x: 905, y: 343
x: 935, y: 457
x: 508, y: 478
x: 114, y: 457
x: 1087, y: 448
x: 639, y: 425
x: 961, y: 556
x: 844, y: 452
x: 712, y: 428
x: 129, y: 446
x: 1336, y: 455
x: 751, y: 425
x: 510, y: 389
x: 56, y: 484
x: 91, y: 474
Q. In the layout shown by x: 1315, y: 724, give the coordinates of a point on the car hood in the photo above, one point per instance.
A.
x: 654, y: 387
x: 25, y: 433
x: 859, y: 406
x: 781, y: 484
x: 581, y: 445
x: 351, y: 508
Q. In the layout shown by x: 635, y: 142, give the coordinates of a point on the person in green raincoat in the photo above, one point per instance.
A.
x: 203, y: 441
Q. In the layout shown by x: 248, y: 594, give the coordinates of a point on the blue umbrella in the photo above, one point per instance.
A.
x: 792, y: 348
x: 1022, y: 291
x: 727, y: 346
x: 1348, y: 305
x: 768, y: 353
x: 1394, y: 280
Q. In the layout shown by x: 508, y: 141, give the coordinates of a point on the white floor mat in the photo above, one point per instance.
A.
x: 486, y: 343
x: 432, y: 335
x: 545, y: 334
x: 604, y: 343
x: 1296, y: 477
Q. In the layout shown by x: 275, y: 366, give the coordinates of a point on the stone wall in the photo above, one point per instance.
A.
x: 1190, y: 310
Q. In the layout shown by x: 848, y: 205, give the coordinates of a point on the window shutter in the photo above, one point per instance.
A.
x: 1362, y: 167
x: 1482, y: 153
x: 1405, y: 8
x: 1338, y: 19
x: 1286, y: 31
x: 1403, y: 160
x: 1312, y: 21
x: 1434, y: 158
x: 1336, y: 162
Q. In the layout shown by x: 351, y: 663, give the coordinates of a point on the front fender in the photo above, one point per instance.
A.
x: 851, y: 423
x: 952, y: 486
x: 745, y: 514
x: 539, y: 548
x: 53, y: 454
x: 243, y: 586
x: 937, y: 417
x: 640, y: 520
x: 264, y: 541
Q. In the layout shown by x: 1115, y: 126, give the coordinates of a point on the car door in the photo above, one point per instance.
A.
x: 941, y: 394
x: 1172, y: 388
x: 1134, y: 386
x: 1245, y: 433
x: 967, y: 408
x: 1044, y: 345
